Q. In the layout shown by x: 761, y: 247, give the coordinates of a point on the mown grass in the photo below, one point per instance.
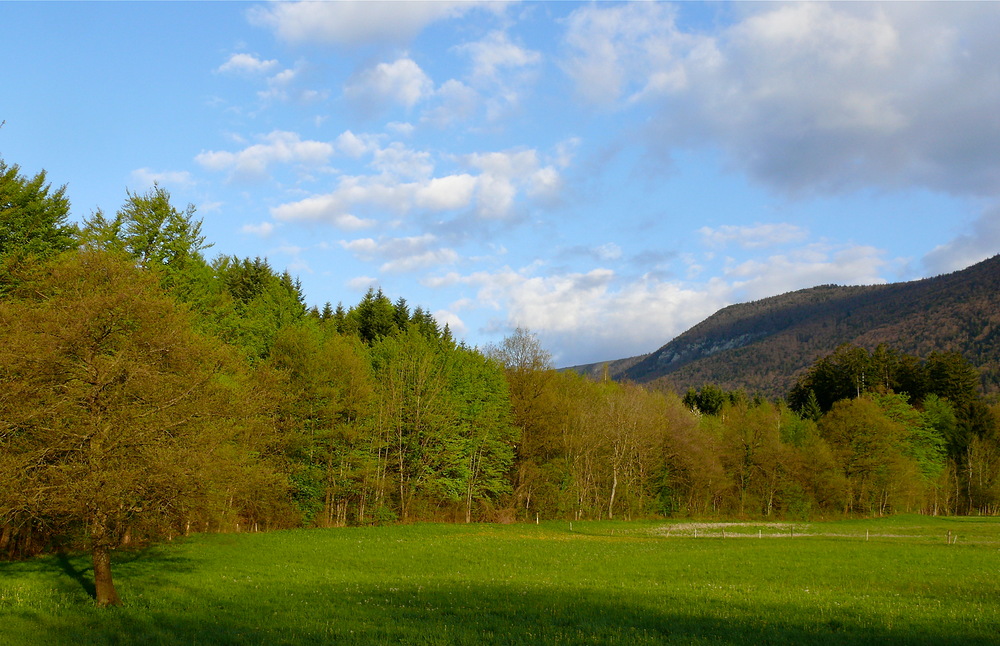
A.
x: 599, y: 583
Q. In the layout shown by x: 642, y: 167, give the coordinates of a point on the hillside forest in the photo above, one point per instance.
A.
x: 147, y: 391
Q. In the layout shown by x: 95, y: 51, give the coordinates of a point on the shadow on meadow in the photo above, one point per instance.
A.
x: 460, y: 615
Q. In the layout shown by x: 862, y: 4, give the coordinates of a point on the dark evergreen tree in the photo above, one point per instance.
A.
x: 32, y: 220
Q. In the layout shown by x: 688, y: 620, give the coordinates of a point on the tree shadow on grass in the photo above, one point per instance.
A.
x: 72, y: 572
x: 79, y: 575
x: 494, y: 614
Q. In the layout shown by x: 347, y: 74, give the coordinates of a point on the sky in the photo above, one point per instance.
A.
x: 606, y: 175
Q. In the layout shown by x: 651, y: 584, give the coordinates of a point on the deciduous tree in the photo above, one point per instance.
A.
x: 117, y: 420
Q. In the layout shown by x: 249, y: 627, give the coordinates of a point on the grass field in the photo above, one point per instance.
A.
x: 889, y: 581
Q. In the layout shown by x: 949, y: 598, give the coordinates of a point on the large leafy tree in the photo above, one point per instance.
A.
x: 117, y: 421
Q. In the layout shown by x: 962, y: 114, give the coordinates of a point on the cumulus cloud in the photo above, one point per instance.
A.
x: 446, y: 193
x: 247, y: 64
x: 332, y: 208
x: 592, y: 315
x: 398, y: 161
x: 356, y: 23
x: 504, y: 173
x: 454, y: 322
x: 276, y: 147
x: 402, y: 254
x: 355, y: 146
x: 401, y: 82
x: 405, y: 180
x: 810, y: 97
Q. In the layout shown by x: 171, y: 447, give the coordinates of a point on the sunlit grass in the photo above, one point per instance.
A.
x: 894, y: 580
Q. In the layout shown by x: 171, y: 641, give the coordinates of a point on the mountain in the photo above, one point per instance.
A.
x: 764, y: 345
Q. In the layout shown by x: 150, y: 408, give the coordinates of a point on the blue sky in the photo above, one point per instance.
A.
x: 604, y: 174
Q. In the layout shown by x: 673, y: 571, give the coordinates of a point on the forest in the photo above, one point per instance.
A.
x: 148, y: 392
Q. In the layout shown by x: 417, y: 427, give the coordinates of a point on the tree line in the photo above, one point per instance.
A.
x: 149, y: 392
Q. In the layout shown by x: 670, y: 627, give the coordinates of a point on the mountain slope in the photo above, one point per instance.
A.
x: 762, y: 346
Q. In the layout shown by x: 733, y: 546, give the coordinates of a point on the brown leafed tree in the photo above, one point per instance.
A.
x: 114, y: 415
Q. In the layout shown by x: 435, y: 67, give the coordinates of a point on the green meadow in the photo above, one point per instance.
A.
x: 902, y: 580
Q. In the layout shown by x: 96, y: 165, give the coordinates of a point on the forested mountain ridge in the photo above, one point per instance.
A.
x: 763, y: 345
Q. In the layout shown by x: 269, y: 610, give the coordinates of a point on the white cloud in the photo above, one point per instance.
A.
x: 455, y: 102
x: 331, y: 208
x: 495, y: 53
x: 810, y: 97
x: 454, y: 322
x: 446, y: 193
x: 401, y: 81
x: 503, y: 173
x: 356, y: 23
x: 754, y: 236
x: 406, y: 181
x: 276, y: 147
x: 621, y: 50
x: 402, y: 254
x: 580, y: 316
x: 282, y: 87
x: 247, y: 64
x: 812, y: 265
x: 355, y: 146
x: 398, y: 161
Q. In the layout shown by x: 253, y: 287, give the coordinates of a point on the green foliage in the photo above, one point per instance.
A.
x: 251, y: 304
x: 149, y: 229
x: 709, y: 399
x: 922, y: 442
x: 32, y: 221
x: 120, y: 423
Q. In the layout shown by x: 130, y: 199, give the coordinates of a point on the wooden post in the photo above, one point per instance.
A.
x: 866, y: 535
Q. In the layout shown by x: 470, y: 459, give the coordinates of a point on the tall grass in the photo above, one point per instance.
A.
x: 895, y: 581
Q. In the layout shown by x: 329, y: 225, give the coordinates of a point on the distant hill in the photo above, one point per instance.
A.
x: 764, y: 345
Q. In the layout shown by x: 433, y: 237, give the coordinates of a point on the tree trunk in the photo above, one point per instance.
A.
x: 104, y: 587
